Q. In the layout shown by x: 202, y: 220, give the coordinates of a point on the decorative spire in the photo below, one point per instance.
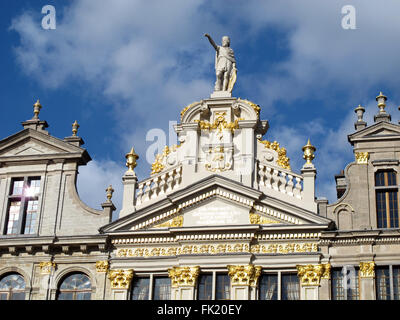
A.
x: 36, y: 109
x: 110, y: 192
x: 309, y: 150
x: 75, y: 127
x: 360, y: 123
x: 131, y: 158
x: 382, y: 115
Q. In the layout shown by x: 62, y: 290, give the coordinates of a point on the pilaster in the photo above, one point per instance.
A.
x: 120, y: 283
x: 367, y: 280
x: 183, y: 282
x: 310, y: 277
x: 244, y: 281
x: 101, y: 276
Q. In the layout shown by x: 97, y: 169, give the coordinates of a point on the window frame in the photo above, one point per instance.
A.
x: 74, y: 292
x: 23, y: 200
x: 383, y: 194
x: 10, y: 293
x: 340, y: 269
x: 391, y: 281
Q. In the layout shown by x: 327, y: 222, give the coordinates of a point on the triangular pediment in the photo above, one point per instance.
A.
x: 378, y: 130
x: 220, y: 204
x: 30, y: 144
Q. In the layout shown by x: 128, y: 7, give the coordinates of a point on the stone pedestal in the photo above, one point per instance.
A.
x: 129, y: 180
x: 309, y: 173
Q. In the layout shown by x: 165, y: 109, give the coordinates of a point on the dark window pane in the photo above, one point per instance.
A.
x: 205, y: 287
x: 396, y: 282
x: 162, y: 288
x: 269, y: 287
x: 290, y: 286
x: 382, y: 283
x: 17, y: 187
x: 223, y: 287
x: 140, y: 289
x: 337, y: 285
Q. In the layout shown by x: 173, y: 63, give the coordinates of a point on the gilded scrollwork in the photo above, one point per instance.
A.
x: 173, y: 223
x: 256, y: 218
x: 47, y: 267
x: 244, y: 275
x: 183, y: 276
x: 120, y: 279
x: 362, y: 157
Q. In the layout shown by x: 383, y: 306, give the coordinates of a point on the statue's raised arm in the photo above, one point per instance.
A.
x: 211, y: 41
x: 225, y: 65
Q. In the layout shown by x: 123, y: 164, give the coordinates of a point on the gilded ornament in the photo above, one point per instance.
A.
x: 102, y: 266
x: 256, y: 107
x: 75, y: 127
x: 120, y: 279
x: 308, y: 151
x: 310, y: 275
x: 109, y: 192
x: 173, y: 223
x: 159, y: 162
x: 183, y: 276
x: 187, y: 108
x: 219, y: 123
x: 244, y: 275
x: 255, y: 218
x: 131, y: 158
x: 47, y: 267
x: 367, y: 269
x: 327, y: 271
x: 362, y: 157
x: 283, y: 161
x: 36, y: 109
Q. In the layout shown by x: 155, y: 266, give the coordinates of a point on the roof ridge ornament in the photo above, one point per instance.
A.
x: 131, y: 158
x: 75, y: 127
x: 308, y: 151
x: 382, y: 115
x: 36, y: 110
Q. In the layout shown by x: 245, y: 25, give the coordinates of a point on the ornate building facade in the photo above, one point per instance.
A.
x: 222, y: 216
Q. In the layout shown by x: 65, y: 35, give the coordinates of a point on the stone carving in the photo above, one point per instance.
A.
x: 47, y: 267
x: 225, y: 65
x: 120, y: 279
x: 244, y: 275
x: 102, y: 266
x: 367, y: 269
x: 310, y: 275
x: 183, y: 276
x: 362, y: 157
x: 173, y: 223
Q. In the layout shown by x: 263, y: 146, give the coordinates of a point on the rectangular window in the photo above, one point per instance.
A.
x: 290, y: 289
x: 223, y: 287
x: 268, y: 288
x: 162, y: 288
x: 345, y: 284
x: 140, y: 289
x: 382, y: 283
x: 396, y: 282
x: 387, y: 199
x: 23, y: 202
x: 204, y: 287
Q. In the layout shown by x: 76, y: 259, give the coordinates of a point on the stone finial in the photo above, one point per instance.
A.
x: 75, y: 127
x: 382, y: 115
x: 110, y: 192
x: 308, y: 151
x: 360, y: 123
x: 131, y: 158
x: 36, y: 109
x: 360, y: 112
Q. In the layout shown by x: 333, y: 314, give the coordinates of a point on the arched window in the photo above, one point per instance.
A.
x: 387, y: 199
x: 75, y: 286
x: 12, y: 287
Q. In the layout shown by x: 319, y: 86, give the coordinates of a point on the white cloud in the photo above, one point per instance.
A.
x: 150, y: 59
x: 95, y: 177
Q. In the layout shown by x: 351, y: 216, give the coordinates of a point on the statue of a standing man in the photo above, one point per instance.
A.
x: 225, y: 65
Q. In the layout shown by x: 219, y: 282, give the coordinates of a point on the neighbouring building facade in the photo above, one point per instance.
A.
x: 221, y: 216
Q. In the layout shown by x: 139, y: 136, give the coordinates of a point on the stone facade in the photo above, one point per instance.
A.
x: 222, y: 202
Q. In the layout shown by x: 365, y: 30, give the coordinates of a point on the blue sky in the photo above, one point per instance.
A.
x: 124, y: 67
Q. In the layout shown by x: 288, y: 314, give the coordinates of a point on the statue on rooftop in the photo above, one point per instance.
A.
x: 225, y: 65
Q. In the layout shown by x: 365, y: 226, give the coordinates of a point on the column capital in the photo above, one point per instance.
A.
x: 310, y: 275
x: 246, y: 275
x: 120, y: 279
x: 183, y: 276
x: 367, y: 269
